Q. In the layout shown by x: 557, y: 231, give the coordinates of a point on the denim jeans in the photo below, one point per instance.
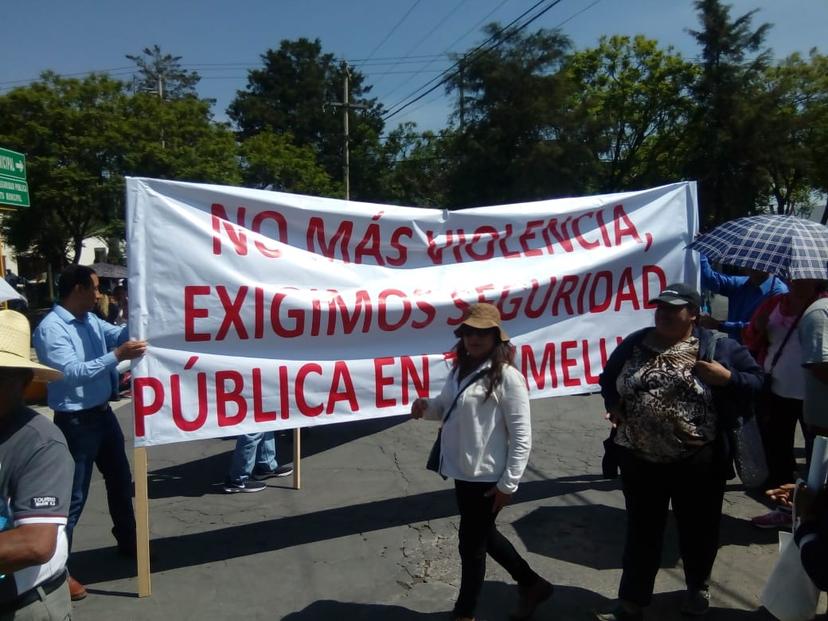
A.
x: 96, y: 438
x: 253, y: 450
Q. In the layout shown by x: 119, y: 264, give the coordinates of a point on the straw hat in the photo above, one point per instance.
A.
x: 483, y: 316
x: 15, y: 348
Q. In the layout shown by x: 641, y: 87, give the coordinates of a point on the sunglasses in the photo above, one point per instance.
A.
x: 469, y: 331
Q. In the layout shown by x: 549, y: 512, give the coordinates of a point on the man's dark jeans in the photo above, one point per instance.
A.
x: 95, y: 437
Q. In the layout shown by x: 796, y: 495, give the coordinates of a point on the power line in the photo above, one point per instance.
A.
x: 510, y: 29
x: 453, y: 43
x: 394, y: 29
x: 440, y: 22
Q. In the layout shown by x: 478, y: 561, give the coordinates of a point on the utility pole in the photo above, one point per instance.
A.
x: 346, y: 106
x: 460, y: 67
x: 160, y: 84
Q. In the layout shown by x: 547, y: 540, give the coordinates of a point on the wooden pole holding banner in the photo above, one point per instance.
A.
x: 142, y: 521
x: 297, y: 458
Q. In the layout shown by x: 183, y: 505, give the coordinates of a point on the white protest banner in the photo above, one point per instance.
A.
x: 266, y: 310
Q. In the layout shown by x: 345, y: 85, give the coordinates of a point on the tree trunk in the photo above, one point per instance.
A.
x: 824, y: 218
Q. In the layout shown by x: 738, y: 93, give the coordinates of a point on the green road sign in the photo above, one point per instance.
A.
x: 14, y: 190
x: 14, y: 193
x: 12, y: 164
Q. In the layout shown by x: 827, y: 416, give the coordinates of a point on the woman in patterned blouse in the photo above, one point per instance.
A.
x: 672, y: 390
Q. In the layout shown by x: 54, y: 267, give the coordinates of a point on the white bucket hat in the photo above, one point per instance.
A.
x: 15, y: 336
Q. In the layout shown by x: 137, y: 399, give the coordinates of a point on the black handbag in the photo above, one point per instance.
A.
x: 434, y: 456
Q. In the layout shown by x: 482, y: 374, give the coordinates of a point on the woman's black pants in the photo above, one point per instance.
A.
x: 695, y: 486
x: 777, y: 422
x: 479, y: 536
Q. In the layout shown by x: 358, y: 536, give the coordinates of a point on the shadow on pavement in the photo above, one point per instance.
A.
x: 204, y: 476
x: 593, y: 535
x: 186, y: 550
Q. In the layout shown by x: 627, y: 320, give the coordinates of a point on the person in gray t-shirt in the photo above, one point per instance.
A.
x: 813, y: 337
x: 36, y: 473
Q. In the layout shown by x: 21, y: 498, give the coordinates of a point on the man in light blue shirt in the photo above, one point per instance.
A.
x: 743, y: 293
x: 77, y: 343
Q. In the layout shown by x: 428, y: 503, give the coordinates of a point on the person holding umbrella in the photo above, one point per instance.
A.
x: 744, y: 295
x: 796, y: 250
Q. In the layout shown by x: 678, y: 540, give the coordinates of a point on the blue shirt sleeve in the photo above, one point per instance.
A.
x: 716, y: 282
x: 113, y: 335
x: 54, y: 347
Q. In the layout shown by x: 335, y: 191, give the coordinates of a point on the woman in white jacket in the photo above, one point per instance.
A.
x: 486, y: 439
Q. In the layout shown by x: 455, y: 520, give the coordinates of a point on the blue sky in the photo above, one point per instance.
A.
x: 222, y: 39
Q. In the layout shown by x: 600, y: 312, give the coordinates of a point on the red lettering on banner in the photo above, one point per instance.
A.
x: 237, y: 238
x: 380, y: 381
x: 399, y: 246
x: 232, y: 313
x: 561, y: 236
x: 428, y: 310
x: 296, y: 314
x: 258, y: 329
x: 537, y: 312
x: 382, y: 313
x: 343, y: 376
x: 528, y: 365
x: 624, y: 226
x: 370, y: 245
x: 504, y: 248
x: 483, y: 232
x: 143, y: 407
x: 594, y: 305
x: 569, y: 360
x: 410, y: 375
x: 567, y: 363
x: 316, y: 235
x: 281, y: 231
x: 568, y: 284
x: 626, y: 290
x: 362, y: 304
x: 191, y: 313
x: 260, y: 415
x: 283, y: 392
x: 651, y: 292
x: 501, y: 303
x: 301, y: 376
x: 178, y: 416
x: 588, y: 376
x: 576, y: 229
x: 231, y: 395
x: 527, y: 235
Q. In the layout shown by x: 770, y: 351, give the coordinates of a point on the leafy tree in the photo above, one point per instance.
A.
x: 727, y: 126
x: 162, y: 74
x: 632, y: 100
x: 292, y: 93
x: 82, y: 136
x: 515, y: 142
x: 69, y: 130
x: 795, y: 105
x: 176, y: 139
x: 415, y: 167
x: 272, y: 161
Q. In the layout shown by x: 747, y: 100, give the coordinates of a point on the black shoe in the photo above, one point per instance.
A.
x: 530, y: 598
x: 281, y: 471
x: 619, y: 613
x: 249, y: 485
x: 696, y: 602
